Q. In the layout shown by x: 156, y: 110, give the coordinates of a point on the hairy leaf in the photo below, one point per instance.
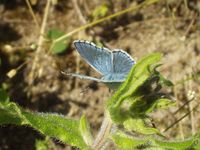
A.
x: 85, y: 131
x: 126, y: 142
x: 178, y: 145
x: 52, y: 125
x: 42, y: 144
x: 138, y: 125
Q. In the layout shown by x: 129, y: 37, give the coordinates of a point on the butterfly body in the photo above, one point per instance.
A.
x: 114, y: 66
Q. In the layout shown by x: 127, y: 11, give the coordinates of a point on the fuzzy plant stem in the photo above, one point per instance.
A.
x: 103, y: 133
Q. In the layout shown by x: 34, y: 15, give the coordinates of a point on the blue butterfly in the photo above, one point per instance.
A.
x: 114, y: 66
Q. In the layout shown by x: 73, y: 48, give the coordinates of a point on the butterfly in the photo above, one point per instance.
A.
x: 113, y: 66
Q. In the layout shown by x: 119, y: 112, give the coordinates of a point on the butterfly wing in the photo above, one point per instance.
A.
x: 122, y: 62
x: 96, y: 57
x: 109, y: 82
x: 114, y: 66
x: 88, y: 77
x: 82, y: 76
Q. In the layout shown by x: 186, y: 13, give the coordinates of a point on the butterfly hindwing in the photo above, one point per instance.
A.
x: 122, y: 62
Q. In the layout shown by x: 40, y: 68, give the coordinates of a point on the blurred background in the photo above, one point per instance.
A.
x: 30, y: 64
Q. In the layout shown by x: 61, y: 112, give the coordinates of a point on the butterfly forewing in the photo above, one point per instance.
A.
x: 96, y: 57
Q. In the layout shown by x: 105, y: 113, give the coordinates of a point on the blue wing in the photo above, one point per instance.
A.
x: 104, y: 80
x: 114, y: 77
x: 122, y: 62
x: 98, y: 58
x: 113, y: 65
x: 112, y: 84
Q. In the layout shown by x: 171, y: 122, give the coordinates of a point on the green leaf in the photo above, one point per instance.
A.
x: 138, y: 125
x: 166, y: 82
x: 126, y: 142
x: 54, y: 33
x: 177, y: 145
x: 163, y: 103
x: 196, y: 146
x: 4, y: 98
x: 85, y: 131
x: 100, y: 11
x: 149, y: 104
x: 42, y: 144
x: 136, y: 78
x: 162, y: 80
x: 52, y: 125
x: 58, y: 47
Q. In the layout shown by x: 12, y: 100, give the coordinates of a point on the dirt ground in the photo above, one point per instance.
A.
x: 170, y: 26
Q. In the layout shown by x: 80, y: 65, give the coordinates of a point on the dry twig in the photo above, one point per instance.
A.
x: 33, y: 73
